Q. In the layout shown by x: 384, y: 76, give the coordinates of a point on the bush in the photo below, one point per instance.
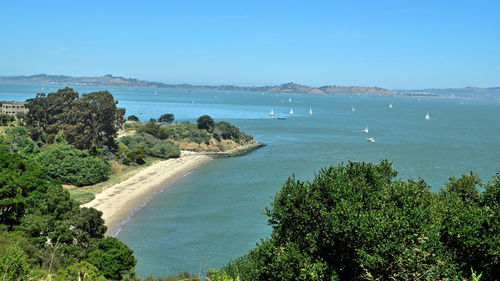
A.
x: 205, y: 122
x: 82, y: 271
x: 18, y: 140
x: 13, y: 264
x: 151, y: 128
x: 132, y: 118
x: 164, y: 149
x: 167, y: 118
x: 72, y: 166
x: 112, y: 258
x: 356, y: 222
x: 6, y: 119
x: 151, y: 146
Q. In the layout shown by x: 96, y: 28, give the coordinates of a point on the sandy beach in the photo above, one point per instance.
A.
x: 117, y: 202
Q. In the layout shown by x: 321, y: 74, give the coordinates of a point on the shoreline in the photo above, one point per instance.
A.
x: 118, y: 201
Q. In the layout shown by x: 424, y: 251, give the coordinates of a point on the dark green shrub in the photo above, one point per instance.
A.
x: 72, y: 166
x: 167, y: 118
x: 112, y: 258
x: 151, y: 146
x: 205, y: 122
x: 356, y: 222
x: 132, y: 118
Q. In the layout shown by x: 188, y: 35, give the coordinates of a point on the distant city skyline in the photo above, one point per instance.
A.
x: 389, y: 44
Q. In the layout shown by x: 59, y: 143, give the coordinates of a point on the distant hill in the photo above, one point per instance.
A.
x: 106, y: 80
x: 110, y: 80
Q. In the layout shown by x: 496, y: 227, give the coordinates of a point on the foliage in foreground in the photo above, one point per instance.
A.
x: 357, y: 222
x: 44, y: 231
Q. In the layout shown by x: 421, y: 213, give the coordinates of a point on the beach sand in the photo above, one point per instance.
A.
x: 118, y: 201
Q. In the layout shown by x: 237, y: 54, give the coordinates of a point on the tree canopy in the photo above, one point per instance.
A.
x: 92, y: 119
x: 357, y: 222
x: 42, y: 230
x: 167, y: 118
x: 205, y: 122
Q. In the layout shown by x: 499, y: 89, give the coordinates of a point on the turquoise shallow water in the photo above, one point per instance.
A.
x: 213, y: 215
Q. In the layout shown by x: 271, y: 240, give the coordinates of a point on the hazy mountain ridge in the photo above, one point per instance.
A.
x: 110, y: 80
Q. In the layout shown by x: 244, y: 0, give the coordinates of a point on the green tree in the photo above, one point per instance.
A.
x: 13, y: 264
x: 90, y: 120
x: 82, y: 271
x: 112, y: 258
x: 205, y: 122
x: 356, y: 221
x: 72, y: 166
x: 6, y: 119
x: 132, y: 118
x: 105, y: 122
x: 17, y: 180
x: 167, y: 118
x: 21, y: 116
x: 18, y: 140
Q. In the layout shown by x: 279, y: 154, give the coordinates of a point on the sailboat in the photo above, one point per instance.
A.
x: 271, y: 113
x: 365, y: 130
x: 281, y: 117
x: 352, y: 107
x: 310, y: 111
x: 192, y: 101
x: 291, y: 112
x: 289, y: 100
x: 390, y: 105
x: 156, y: 93
x: 370, y: 139
x: 427, y: 117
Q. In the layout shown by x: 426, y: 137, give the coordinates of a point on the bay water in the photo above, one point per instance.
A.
x: 213, y: 215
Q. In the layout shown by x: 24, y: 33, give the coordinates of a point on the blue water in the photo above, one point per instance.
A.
x: 213, y: 215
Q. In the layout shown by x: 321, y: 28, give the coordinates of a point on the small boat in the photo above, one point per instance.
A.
x: 370, y: 139
x: 281, y: 117
x: 310, y: 111
x: 390, y: 105
x: 427, y: 117
x: 352, y: 108
x: 156, y: 93
x: 291, y: 112
x: 289, y: 100
x: 192, y: 101
x: 271, y: 113
x: 365, y: 130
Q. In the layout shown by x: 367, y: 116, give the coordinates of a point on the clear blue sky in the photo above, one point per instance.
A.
x: 392, y: 44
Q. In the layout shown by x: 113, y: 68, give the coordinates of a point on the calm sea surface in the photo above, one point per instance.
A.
x: 213, y: 215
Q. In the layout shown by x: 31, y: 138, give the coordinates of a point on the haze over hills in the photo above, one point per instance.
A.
x: 110, y: 80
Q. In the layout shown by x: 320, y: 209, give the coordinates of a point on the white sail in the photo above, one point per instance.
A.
x: 271, y: 113
x: 291, y: 111
x: 390, y: 105
x: 365, y: 130
x: 352, y: 107
x: 427, y: 117
x: 310, y: 111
